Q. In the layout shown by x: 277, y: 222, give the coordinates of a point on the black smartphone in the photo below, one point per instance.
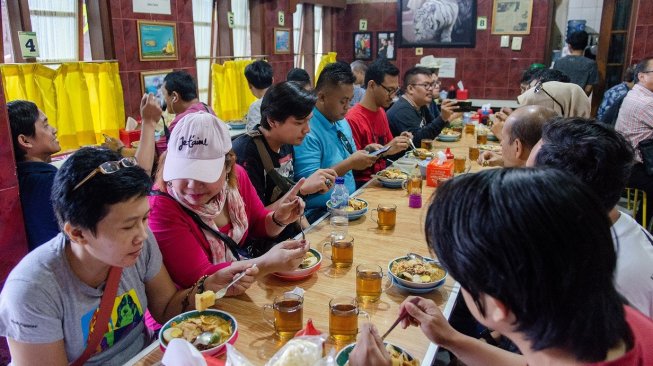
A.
x: 464, y: 107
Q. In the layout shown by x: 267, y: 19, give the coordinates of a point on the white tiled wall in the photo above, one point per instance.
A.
x: 589, y: 10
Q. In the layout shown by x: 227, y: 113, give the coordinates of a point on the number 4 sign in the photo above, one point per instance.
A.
x: 28, y: 44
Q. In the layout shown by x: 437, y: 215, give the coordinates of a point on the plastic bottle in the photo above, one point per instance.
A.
x: 448, y: 153
x: 339, y: 201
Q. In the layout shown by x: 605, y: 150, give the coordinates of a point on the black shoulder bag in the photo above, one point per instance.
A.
x: 646, y: 149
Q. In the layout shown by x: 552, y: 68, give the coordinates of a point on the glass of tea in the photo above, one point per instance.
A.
x: 413, y: 185
x: 387, y: 216
x: 369, y: 283
x: 427, y: 144
x: 481, y: 137
x: 474, y: 153
x: 343, y: 319
x: 287, y: 314
x: 459, y: 163
x: 342, y: 251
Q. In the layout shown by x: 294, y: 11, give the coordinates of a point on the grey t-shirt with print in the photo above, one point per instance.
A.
x: 43, y: 301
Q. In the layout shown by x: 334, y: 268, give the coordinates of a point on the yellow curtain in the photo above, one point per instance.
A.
x: 230, y: 95
x: 82, y: 100
x: 325, y: 60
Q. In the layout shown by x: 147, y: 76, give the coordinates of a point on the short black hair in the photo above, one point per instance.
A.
x: 90, y: 203
x: 641, y: 67
x: 182, y: 83
x: 23, y: 115
x: 284, y: 100
x: 299, y: 76
x: 578, y: 40
x: 378, y: 69
x: 629, y: 74
x: 545, y: 75
x: 592, y: 151
x: 334, y: 74
x: 259, y: 74
x: 538, y: 241
x: 409, y: 76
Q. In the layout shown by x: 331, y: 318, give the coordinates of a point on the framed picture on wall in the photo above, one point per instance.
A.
x: 385, y: 45
x: 362, y: 45
x: 151, y: 81
x: 512, y: 16
x: 436, y: 23
x: 157, y: 41
x: 281, y: 40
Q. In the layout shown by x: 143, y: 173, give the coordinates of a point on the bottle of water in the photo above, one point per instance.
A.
x: 339, y: 202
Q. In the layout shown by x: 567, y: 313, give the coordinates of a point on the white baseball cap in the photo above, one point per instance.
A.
x: 197, y: 148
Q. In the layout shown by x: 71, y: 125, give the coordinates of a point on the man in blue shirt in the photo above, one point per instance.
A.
x: 614, y: 94
x: 34, y: 142
x: 330, y: 143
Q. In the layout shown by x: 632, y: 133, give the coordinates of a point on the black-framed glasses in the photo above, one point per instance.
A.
x: 646, y: 72
x: 426, y: 86
x: 344, y: 141
x: 390, y: 91
x: 109, y: 167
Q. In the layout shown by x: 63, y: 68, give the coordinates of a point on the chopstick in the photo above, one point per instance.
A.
x: 401, y: 317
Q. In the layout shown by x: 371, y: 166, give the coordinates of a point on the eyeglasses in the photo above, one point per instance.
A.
x: 426, y: 86
x: 344, y: 141
x: 391, y: 92
x: 109, y: 167
x: 645, y: 72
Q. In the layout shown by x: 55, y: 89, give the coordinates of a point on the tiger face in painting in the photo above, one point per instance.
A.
x: 434, y: 19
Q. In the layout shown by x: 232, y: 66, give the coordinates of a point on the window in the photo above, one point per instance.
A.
x: 242, y: 39
x: 7, y: 43
x: 202, y: 16
x: 50, y: 20
x: 298, y: 31
x: 318, y: 34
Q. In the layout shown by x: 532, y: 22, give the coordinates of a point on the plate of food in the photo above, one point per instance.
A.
x: 419, y: 153
x: 356, y: 209
x: 493, y: 148
x: 448, y: 135
x: 492, y: 137
x: 222, y: 326
x: 417, y: 273
x: 391, y: 177
x: 397, y: 354
x: 311, y: 263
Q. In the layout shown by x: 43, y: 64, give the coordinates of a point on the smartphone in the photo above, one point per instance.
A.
x: 380, y: 151
x: 464, y: 107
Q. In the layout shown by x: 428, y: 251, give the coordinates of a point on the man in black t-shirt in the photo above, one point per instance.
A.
x: 286, y: 109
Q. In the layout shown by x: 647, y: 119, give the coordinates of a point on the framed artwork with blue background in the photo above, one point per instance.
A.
x: 157, y: 41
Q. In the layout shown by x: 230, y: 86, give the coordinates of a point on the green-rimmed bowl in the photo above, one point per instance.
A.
x: 195, y: 314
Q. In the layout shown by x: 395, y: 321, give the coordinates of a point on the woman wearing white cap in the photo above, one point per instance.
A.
x: 204, y: 206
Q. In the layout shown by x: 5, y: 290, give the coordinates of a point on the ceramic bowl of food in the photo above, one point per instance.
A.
x: 191, y: 324
x: 419, y: 153
x: 238, y: 125
x: 417, y: 273
x: 391, y: 177
x: 356, y: 209
x: 397, y: 354
x: 311, y: 263
x: 448, y: 135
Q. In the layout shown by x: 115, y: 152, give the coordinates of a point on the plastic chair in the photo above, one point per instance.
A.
x: 633, y: 203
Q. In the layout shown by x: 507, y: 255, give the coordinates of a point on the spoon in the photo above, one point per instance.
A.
x: 220, y: 294
x: 419, y: 257
x: 203, y: 339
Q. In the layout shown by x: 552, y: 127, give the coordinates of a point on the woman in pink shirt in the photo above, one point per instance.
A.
x: 204, y: 207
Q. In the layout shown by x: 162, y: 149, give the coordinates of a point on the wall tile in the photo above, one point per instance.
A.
x: 12, y: 230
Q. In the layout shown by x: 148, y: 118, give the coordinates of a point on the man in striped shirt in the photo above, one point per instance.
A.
x: 635, y: 123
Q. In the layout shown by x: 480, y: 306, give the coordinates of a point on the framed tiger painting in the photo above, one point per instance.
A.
x: 436, y: 23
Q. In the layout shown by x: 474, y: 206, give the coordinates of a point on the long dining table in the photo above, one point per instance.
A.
x: 256, y: 338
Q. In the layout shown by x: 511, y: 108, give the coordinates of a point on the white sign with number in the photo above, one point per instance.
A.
x: 230, y: 19
x: 282, y: 18
x: 152, y: 6
x: 29, y: 46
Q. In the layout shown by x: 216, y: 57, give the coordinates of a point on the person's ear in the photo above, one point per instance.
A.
x: 496, y: 311
x: 371, y: 84
x: 24, y: 142
x: 175, y: 96
x: 520, y: 150
x: 271, y: 122
x: 321, y: 96
x: 74, y: 233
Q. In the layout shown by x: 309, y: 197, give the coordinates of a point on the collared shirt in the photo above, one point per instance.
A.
x: 322, y: 148
x: 610, y: 97
x: 635, y: 121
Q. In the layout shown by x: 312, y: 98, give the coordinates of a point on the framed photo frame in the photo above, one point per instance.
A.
x: 151, y: 81
x: 157, y: 40
x: 281, y: 40
x: 362, y: 45
x: 512, y: 16
x: 385, y: 45
x: 433, y: 23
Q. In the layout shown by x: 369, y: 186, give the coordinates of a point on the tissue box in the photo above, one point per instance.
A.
x: 462, y: 94
x: 127, y: 137
x: 435, y: 171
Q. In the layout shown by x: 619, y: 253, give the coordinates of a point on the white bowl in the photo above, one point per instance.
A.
x: 411, y: 284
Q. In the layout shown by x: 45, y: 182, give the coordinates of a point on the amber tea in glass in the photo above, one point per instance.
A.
x: 343, y: 319
x: 287, y: 314
x: 387, y: 216
x: 459, y: 164
x: 368, y: 282
x: 474, y: 153
x: 342, y: 252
